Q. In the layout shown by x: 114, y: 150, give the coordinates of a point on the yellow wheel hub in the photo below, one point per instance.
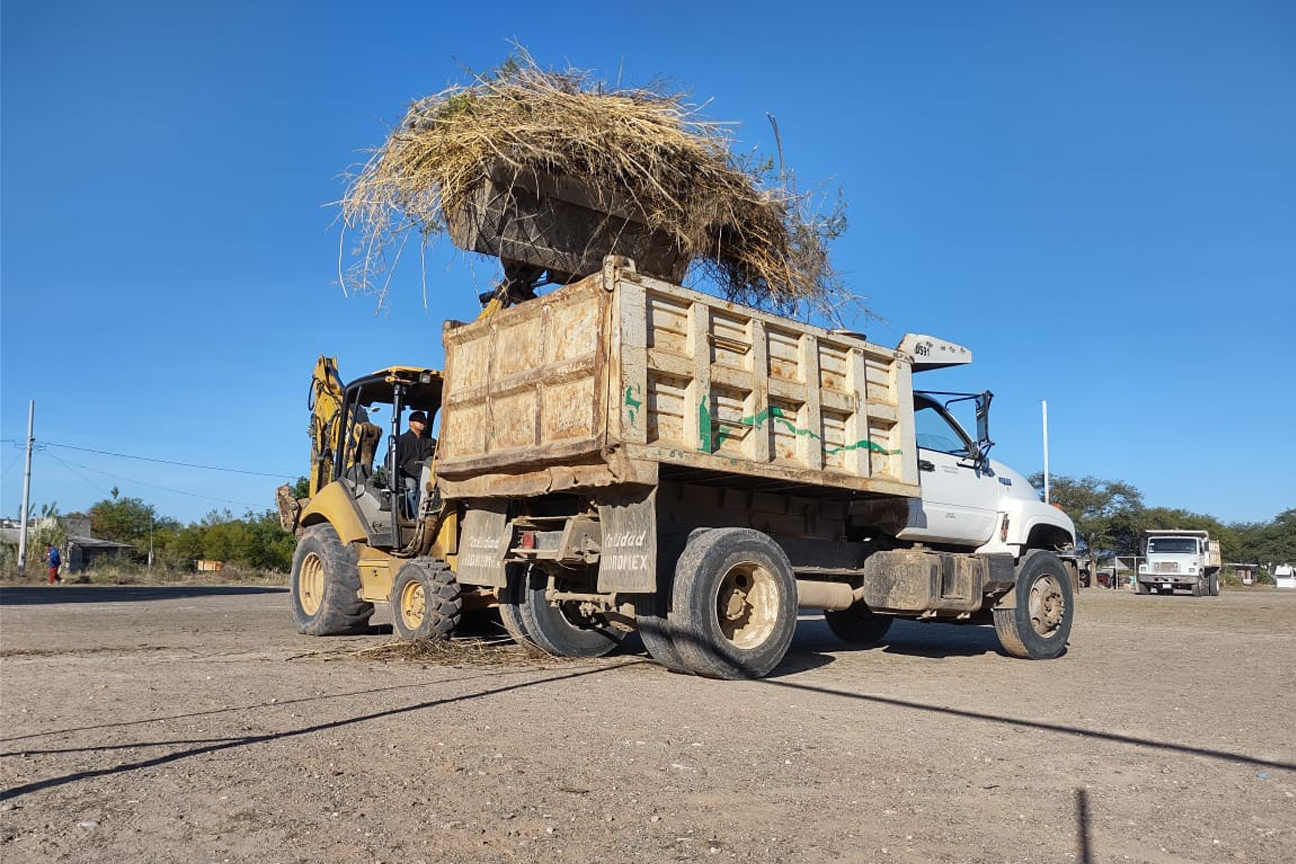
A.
x: 310, y: 583
x: 413, y: 604
x: 747, y: 605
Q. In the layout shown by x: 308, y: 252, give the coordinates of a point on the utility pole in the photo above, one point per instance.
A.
x: 1044, y: 404
x: 22, y: 531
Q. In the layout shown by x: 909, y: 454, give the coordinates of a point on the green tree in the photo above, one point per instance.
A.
x: 1169, y: 517
x: 126, y: 520
x: 1268, y: 543
x: 1106, y: 513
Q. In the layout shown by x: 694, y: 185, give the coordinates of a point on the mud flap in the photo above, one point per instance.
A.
x: 628, y: 557
x: 483, y: 544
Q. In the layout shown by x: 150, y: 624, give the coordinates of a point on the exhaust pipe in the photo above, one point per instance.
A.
x: 834, y: 596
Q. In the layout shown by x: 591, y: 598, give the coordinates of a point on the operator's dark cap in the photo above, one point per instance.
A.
x: 419, y: 416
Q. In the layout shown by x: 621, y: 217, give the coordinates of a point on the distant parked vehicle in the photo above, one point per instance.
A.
x: 1179, y: 559
x: 1284, y: 576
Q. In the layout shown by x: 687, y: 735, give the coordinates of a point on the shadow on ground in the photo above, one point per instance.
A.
x: 40, y: 595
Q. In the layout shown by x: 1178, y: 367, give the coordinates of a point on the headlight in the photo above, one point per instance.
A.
x: 1192, y: 568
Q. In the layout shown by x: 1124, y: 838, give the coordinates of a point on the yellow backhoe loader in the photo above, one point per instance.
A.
x: 361, y: 540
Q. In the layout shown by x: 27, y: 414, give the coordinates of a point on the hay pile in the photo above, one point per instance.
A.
x: 744, y: 224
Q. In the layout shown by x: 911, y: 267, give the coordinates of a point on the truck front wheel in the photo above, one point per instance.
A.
x: 326, y: 585
x: 734, y: 608
x: 1038, y: 622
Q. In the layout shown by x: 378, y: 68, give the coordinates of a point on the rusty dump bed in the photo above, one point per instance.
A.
x: 621, y: 378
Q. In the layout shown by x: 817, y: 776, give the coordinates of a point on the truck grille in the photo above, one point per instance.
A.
x: 1165, y: 567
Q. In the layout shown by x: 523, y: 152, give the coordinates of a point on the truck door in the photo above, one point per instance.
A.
x: 959, y: 503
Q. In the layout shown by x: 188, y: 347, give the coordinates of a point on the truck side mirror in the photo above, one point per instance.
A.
x: 983, y: 426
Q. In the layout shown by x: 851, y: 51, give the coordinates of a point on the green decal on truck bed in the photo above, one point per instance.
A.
x: 711, y: 437
x: 632, y: 404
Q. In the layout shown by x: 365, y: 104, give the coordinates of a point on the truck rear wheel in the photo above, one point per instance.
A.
x: 326, y: 585
x: 654, y: 628
x: 1038, y: 623
x: 735, y: 604
x: 425, y: 601
x: 858, y: 625
x: 1212, y: 583
x: 652, y: 611
x: 564, y: 629
x: 510, y: 609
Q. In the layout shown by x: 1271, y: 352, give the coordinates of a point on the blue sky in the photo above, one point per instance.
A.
x: 1099, y: 199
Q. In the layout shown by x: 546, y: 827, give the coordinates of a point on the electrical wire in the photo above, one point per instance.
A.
x: 163, y: 461
x: 69, y: 466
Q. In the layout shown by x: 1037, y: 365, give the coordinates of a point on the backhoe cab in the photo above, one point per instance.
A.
x: 360, y: 541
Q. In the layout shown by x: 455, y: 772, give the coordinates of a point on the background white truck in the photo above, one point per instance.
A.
x: 1175, y: 558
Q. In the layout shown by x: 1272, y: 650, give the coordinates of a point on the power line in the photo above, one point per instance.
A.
x: 164, y: 461
x: 78, y: 473
x: 69, y: 466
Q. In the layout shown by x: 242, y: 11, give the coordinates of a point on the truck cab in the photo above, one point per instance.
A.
x: 969, y: 500
x: 1179, y: 559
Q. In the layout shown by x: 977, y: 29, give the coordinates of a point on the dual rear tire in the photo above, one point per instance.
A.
x: 731, y: 611
x: 563, y: 629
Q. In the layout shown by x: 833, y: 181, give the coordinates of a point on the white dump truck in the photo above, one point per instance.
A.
x: 624, y: 454
x: 1175, y: 558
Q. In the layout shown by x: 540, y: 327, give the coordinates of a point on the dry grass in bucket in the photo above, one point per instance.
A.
x: 741, y: 222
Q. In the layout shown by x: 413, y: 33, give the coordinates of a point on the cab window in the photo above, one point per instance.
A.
x: 934, y: 432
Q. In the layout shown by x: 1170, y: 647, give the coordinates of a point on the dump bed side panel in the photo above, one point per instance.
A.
x: 588, y: 387
x: 526, y: 389
x: 714, y: 385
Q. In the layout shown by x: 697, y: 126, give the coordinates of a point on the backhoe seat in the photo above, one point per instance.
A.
x: 364, y: 444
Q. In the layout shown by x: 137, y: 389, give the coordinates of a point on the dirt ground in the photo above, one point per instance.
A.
x: 194, y: 724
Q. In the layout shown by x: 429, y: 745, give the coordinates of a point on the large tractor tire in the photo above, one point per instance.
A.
x: 734, y: 608
x: 425, y: 601
x: 1038, y: 623
x: 561, y: 630
x: 326, y: 585
x: 858, y: 625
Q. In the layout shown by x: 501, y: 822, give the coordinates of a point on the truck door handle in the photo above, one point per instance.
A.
x: 924, y: 465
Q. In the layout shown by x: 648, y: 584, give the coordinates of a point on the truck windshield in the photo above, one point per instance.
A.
x: 1172, y: 544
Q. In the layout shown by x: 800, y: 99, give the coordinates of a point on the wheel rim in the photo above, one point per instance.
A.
x: 413, y: 604
x: 747, y: 605
x: 310, y: 583
x: 1047, y: 605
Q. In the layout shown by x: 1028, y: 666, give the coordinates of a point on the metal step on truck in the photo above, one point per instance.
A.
x: 625, y: 454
